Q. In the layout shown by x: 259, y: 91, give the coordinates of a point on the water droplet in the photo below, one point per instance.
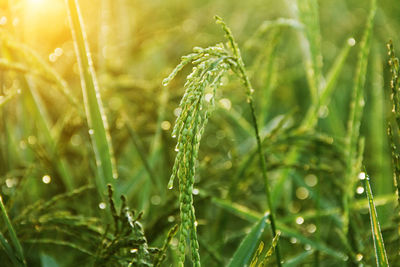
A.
x: 102, y: 205
x: 46, y: 179
x: 293, y: 240
x: 311, y: 180
x: 225, y: 103
x: 134, y: 250
x: 361, y: 176
x: 359, y: 257
x: 302, y: 193
x: 351, y: 41
x: 11, y: 182
x: 165, y: 125
x: 174, y: 136
x: 171, y: 183
x: 115, y: 175
x: 299, y: 220
x: 195, y: 191
x: 311, y: 228
x: 360, y: 190
x: 3, y: 20
x: 155, y: 200
x: 208, y: 97
x: 91, y: 131
x: 52, y: 57
x: 58, y: 51
x: 177, y: 111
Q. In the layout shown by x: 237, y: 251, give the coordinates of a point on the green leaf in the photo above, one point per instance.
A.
x: 246, y: 249
x: 97, y: 121
x: 13, y: 236
x: 380, y: 252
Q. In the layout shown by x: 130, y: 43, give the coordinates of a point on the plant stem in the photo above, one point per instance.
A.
x: 250, y: 90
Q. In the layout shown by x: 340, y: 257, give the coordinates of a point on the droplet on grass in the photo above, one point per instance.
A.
x: 46, y: 179
x: 351, y: 41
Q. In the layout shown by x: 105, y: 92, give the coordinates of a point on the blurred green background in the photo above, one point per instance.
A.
x: 134, y: 45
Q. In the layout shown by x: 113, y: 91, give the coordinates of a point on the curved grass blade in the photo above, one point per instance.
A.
x: 246, y: 249
x: 9, y: 251
x: 96, y: 117
x: 13, y: 236
x: 253, y: 216
x: 380, y: 252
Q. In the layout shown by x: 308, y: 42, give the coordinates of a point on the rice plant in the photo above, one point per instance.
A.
x: 284, y: 150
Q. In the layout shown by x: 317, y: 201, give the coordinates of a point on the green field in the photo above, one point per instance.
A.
x: 199, y: 133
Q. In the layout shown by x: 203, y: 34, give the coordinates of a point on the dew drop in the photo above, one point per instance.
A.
x: 361, y: 176
x: 299, y: 220
x: 46, y: 179
x: 351, y: 41
x: 102, y: 205
x: 360, y: 190
x: 91, y: 131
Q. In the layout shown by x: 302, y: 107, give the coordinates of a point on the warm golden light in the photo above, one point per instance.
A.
x: 35, y: 2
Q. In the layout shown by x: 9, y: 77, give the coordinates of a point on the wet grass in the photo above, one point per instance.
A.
x: 276, y: 130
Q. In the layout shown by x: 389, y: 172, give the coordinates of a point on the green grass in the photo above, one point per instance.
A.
x: 250, y: 153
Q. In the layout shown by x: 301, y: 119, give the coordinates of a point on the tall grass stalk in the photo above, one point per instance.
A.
x: 96, y: 117
x: 356, y: 111
x: 249, y: 92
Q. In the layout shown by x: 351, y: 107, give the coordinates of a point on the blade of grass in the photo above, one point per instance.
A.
x: 244, y: 253
x: 252, y: 216
x: 97, y: 120
x: 308, y: 14
x: 356, y: 111
x: 9, y: 251
x: 13, y: 236
x: 250, y: 101
x: 380, y: 252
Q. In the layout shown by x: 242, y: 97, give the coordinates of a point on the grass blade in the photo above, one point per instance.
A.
x: 356, y: 111
x: 246, y: 249
x: 380, y: 252
x: 13, y: 236
x: 97, y: 121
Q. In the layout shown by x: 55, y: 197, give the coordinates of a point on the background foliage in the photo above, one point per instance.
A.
x: 291, y: 49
